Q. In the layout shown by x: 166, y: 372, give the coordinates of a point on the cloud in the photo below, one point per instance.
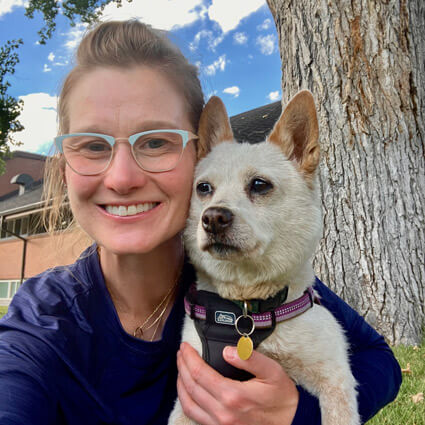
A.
x: 265, y: 25
x: 274, y: 95
x: 266, y: 44
x: 74, y: 36
x: 46, y: 68
x: 228, y: 14
x: 163, y: 14
x: 213, y: 42
x: 240, y: 38
x: 51, y: 57
x: 39, y: 119
x: 234, y: 91
x: 6, y: 6
x: 219, y: 64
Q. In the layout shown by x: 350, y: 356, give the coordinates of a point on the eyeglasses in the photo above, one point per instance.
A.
x: 155, y: 151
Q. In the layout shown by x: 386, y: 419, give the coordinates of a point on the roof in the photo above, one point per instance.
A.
x: 29, y: 155
x: 22, y: 202
x: 251, y: 126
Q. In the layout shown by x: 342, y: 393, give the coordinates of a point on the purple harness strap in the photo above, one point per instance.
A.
x: 264, y: 320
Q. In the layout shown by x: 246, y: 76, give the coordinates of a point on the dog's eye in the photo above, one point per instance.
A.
x: 204, y: 188
x: 260, y: 186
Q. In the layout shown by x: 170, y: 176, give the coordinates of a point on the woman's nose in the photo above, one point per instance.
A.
x: 124, y: 174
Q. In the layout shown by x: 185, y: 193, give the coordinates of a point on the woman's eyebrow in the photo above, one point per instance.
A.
x: 144, y: 126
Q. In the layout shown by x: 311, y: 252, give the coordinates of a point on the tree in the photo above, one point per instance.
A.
x: 86, y: 11
x: 10, y: 107
x: 364, y: 62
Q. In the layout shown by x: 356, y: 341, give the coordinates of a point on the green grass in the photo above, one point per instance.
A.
x: 402, y: 411
x: 3, y: 311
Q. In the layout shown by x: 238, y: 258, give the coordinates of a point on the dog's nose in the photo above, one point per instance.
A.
x: 216, y: 219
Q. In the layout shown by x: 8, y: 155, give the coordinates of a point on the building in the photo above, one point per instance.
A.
x: 25, y: 247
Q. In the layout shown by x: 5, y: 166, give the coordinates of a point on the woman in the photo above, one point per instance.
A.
x: 96, y: 342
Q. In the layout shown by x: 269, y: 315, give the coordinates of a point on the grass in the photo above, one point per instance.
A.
x: 3, y: 310
x: 402, y: 411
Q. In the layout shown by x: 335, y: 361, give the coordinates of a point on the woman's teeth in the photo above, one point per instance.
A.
x: 123, y: 211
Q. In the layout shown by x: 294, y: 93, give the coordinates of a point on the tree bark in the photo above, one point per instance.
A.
x: 364, y: 62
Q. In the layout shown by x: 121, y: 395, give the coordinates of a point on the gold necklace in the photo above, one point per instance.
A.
x: 138, y: 332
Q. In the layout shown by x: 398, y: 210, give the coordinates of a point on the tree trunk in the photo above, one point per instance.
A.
x: 364, y: 62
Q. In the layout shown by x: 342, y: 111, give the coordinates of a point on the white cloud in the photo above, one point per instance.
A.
x: 219, y: 64
x: 228, y: 14
x: 240, y: 38
x: 234, y: 91
x: 74, y: 35
x: 39, y: 119
x: 163, y: 14
x: 6, y: 6
x: 274, y: 95
x: 46, y: 68
x: 51, y: 57
x: 213, y: 42
x: 265, y: 25
x: 266, y: 43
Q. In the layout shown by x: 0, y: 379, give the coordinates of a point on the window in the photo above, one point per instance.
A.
x: 8, y: 288
x: 30, y: 224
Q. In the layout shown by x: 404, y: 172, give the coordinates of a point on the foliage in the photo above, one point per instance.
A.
x: 88, y: 11
x: 10, y: 107
x: 407, y: 409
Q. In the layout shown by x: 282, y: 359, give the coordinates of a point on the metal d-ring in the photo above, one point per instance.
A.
x: 245, y: 315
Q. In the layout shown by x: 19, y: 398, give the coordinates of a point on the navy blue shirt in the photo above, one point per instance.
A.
x: 65, y: 358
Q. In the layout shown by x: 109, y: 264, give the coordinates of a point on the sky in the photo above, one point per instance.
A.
x: 233, y: 43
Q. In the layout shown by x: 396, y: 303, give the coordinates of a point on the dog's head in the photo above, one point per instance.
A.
x: 255, y: 214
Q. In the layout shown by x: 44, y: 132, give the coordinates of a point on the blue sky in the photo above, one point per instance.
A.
x: 233, y: 42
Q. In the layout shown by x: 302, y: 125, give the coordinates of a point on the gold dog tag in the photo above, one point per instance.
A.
x: 245, y: 347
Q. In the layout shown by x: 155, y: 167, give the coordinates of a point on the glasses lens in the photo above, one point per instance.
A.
x: 159, y: 151
x: 87, y: 155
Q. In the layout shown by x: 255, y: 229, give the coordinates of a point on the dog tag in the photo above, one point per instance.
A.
x: 245, y: 347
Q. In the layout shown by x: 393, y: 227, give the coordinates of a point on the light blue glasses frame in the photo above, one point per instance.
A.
x: 185, y: 135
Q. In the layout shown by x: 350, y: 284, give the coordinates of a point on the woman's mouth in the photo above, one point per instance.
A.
x: 128, y: 210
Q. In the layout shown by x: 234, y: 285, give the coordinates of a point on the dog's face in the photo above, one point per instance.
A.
x: 255, y: 214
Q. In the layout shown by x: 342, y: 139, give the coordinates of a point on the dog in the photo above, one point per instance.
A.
x: 253, y: 226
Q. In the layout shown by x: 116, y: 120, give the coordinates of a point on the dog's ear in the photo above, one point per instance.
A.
x: 297, y: 133
x: 214, y: 126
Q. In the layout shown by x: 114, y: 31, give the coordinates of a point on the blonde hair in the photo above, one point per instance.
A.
x: 119, y: 45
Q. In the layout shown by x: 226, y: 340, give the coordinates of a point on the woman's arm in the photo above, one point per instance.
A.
x: 25, y: 396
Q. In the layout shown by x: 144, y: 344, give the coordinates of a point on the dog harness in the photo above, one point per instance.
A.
x: 215, y: 321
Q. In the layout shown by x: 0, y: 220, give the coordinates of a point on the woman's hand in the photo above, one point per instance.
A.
x: 208, y: 398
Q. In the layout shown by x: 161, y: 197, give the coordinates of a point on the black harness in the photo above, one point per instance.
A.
x: 218, y: 329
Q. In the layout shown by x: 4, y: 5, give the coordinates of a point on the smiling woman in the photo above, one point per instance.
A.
x: 128, y: 116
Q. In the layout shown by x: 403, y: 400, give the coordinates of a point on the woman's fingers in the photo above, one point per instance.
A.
x: 190, y: 407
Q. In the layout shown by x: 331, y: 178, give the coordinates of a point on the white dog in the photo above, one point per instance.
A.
x: 254, y: 224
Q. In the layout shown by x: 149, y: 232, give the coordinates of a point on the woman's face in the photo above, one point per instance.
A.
x: 122, y: 102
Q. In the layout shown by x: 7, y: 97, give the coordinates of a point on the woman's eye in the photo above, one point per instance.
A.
x: 204, y: 188
x: 97, y: 146
x: 260, y: 186
x: 156, y: 143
